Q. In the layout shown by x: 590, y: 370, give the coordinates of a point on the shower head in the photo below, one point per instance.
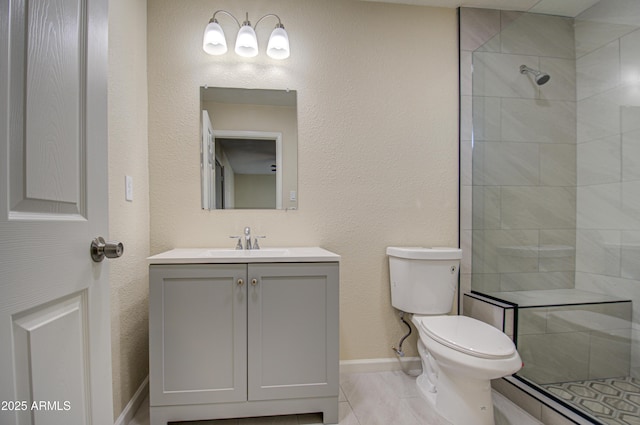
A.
x: 540, y: 77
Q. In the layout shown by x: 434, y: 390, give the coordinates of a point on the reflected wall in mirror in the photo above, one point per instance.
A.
x: 249, y: 148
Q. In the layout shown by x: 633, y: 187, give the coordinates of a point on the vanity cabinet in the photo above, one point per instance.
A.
x: 243, y: 339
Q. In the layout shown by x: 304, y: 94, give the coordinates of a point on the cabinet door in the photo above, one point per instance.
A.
x: 292, y: 330
x: 197, y: 334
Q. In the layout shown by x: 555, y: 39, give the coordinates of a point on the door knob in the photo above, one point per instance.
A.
x: 101, y: 249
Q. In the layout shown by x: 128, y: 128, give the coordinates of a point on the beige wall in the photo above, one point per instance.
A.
x: 255, y: 191
x: 128, y: 221
x: 378, y: 145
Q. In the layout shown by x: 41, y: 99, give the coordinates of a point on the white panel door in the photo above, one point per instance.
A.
x: 207, y: 166
x: 55, y: 354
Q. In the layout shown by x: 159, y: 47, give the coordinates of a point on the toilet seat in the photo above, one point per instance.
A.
x: 467, y: 335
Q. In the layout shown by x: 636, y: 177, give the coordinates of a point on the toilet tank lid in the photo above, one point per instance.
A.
x: 420, y: 253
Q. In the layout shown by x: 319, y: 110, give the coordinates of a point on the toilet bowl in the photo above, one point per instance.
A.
x: 460, y: 355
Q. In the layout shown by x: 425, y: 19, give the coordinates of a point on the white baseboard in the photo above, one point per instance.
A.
x: 132, y: 407
x: 379, y: 365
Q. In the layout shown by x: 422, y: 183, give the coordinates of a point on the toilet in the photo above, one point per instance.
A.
x: 460, y: 355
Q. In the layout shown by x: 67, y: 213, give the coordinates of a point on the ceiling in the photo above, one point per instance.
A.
x: 571, y: 8
x: 250, y: 156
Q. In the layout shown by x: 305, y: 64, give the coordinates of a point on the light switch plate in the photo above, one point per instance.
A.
x: 128, y: 188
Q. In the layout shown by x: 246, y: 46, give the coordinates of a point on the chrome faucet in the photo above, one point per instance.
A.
x: 247, y: 238
x: 239, y: 244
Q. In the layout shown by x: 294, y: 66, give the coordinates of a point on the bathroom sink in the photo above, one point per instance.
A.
x: 227, y: 255
x: 264, y: 252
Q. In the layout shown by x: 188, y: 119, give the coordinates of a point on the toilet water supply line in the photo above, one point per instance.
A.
x: 398, y: 350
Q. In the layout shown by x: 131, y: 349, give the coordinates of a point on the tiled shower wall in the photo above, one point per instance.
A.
x: 608, y: 154
x: 523, y: 137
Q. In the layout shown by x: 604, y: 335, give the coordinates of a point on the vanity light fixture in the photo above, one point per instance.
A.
x: 214, y: 42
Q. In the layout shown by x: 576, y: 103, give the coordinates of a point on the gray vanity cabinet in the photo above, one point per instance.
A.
x: 237, y: 340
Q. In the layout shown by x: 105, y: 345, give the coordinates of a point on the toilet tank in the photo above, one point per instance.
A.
x: 423, y: 280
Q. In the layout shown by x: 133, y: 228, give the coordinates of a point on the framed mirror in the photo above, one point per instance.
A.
x: 248, y: 148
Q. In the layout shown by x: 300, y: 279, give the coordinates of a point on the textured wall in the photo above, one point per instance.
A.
x: 128, y: 221
x: 378, y: 142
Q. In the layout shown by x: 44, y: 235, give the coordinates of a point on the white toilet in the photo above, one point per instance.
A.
x: 460, y: 355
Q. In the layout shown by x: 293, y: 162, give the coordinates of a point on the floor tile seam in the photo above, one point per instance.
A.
x: 355, y: 414
x: 353, y: 411
x: 388, y: 388
x: 414, y: 414
x: 414, y: 418
x: 408, y: 397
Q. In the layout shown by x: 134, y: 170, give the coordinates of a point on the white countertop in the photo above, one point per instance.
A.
x: 264, y: 255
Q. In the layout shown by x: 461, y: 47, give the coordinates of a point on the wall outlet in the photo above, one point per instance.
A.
x: 292, y: 195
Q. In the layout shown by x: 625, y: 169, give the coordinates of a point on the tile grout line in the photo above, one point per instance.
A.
x: 349, y: 404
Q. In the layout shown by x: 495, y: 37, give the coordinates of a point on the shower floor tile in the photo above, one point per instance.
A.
x: 615, y: 401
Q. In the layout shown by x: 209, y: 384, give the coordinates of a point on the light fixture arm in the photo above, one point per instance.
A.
x: 213, y: 18
x: 246, y: 22
x: 278, y: 25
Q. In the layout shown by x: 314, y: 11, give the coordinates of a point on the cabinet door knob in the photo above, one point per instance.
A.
x: 254, y: 282
x: 240, y: 282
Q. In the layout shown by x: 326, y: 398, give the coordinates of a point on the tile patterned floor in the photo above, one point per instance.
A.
x: 615, y: 401
x: 383, y: 398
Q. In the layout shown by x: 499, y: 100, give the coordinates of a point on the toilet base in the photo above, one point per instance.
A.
x: 423, y: 384
x: 460, y: 400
